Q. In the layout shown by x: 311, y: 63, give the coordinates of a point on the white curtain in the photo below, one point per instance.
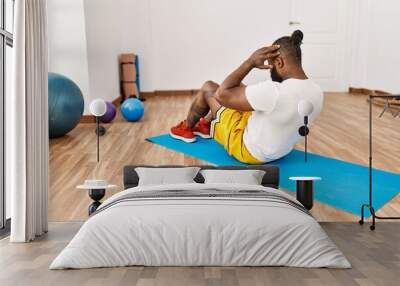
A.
x: 27, y: 132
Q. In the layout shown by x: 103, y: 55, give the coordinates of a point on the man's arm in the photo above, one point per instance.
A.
x: 231, y: 92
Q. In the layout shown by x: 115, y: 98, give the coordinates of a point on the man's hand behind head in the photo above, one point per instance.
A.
x: 258, y: 58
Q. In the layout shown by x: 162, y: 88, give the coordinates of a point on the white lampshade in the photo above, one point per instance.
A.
x: 98, y: 107
x: 305, y: 108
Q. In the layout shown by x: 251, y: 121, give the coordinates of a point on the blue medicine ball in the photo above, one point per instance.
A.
x: 132, y: 109
x: 65, y: 105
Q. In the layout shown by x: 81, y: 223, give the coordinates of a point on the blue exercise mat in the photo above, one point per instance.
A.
x: 344, y: 185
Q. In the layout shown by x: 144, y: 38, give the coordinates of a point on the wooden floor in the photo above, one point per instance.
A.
x: 340, y: 132
x: 375, y: 258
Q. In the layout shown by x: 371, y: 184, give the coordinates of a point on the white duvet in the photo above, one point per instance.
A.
x: 192, y: 231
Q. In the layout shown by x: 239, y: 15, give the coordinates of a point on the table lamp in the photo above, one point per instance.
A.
x: 305, y: 108
x: 98, y: 108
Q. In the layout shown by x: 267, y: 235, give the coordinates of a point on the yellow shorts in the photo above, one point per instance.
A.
x: 228, y: 129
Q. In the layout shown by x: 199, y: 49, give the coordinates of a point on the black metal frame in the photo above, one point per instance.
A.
x: 304, y: 131
x: 100, y: 131
x: 6, y: 39
x: 305, y: 193
x: 370, y: 202
x: 96, y: 195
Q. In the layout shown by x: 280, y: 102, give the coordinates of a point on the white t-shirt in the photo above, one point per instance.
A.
x: 272, y: 129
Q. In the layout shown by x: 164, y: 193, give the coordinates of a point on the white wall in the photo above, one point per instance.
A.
x: 181, y: 43
x: 67, y: 43
x: 114, y: 27
x: 376, y: 44
x: 199, y: 40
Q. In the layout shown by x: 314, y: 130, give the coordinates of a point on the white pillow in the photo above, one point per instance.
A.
x: 166, y: 176
x: 248, y: 177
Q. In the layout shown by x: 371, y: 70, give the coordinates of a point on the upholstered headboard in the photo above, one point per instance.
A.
x: 270, y: 179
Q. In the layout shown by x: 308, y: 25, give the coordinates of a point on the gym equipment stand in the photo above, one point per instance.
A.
x: 370, y: 203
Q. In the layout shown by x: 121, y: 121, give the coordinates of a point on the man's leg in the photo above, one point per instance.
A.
x: 203, y: 104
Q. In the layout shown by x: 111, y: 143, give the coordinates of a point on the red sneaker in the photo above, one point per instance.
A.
x: 183, y: 132
x: 202, y: 128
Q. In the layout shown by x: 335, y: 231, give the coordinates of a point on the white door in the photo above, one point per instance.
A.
x: 325, y: 44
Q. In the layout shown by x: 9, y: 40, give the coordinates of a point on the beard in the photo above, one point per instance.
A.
x: 275, y: 76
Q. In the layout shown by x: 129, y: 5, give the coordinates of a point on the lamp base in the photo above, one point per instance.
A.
x: 100, y: 130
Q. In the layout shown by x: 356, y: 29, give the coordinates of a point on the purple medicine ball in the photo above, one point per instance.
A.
x: 110, y: 113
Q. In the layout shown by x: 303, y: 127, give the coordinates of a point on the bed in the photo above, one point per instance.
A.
x: 198, y: 224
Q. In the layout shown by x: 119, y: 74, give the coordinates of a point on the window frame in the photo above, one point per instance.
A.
x: 6, y: 39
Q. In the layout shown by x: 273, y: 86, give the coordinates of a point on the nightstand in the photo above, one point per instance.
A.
x: 304, y: 190
x: 96, y: 190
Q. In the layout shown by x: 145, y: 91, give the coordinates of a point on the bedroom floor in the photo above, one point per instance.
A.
x: 340, y: 132
x: 375, y: 257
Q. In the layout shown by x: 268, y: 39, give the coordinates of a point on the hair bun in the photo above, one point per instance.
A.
x: 297, y: 37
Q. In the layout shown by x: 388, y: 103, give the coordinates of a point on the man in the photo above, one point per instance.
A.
x: 256, y: 123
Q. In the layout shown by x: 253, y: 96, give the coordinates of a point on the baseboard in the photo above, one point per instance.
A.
x: 169, y: 92
x: 376, y: 101
x: 366, y: 91
x: 187, y: 92
x: 117, y: 101
x: 394, y: 104
x: 87, y: 118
